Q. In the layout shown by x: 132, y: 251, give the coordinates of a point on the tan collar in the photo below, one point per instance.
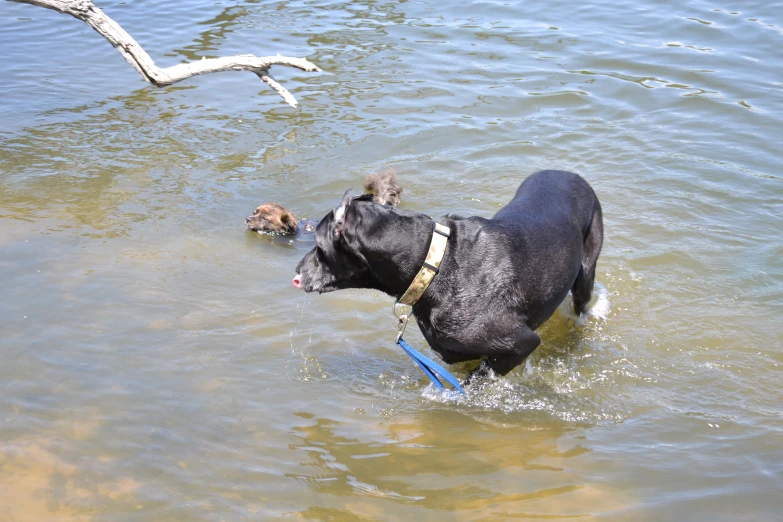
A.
x: 440, y: 236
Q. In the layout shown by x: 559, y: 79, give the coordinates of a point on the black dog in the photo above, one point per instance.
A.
x: 499, y: 280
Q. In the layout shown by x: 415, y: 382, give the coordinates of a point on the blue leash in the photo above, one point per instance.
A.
x: 431, y: 368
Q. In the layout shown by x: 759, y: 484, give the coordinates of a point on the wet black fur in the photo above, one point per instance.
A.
x: 499, y: 280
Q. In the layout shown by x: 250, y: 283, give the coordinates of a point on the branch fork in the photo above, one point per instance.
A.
x: 87, y: 12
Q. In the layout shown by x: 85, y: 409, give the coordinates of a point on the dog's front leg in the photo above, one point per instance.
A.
x: 525, y: 341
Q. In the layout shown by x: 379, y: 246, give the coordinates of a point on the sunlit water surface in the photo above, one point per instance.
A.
x: 157, y: 364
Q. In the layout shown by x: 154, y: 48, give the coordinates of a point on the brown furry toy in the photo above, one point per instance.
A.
x: 384, y: 186
x: 272, y: 218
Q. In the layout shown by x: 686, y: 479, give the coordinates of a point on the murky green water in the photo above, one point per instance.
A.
x: 157, y: 364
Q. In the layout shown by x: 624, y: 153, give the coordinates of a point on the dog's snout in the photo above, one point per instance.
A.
x: 247, y: 220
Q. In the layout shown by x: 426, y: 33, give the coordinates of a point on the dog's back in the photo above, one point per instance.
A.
x: 551, y: 194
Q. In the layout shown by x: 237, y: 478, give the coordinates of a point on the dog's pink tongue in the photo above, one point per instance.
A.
x: 297, y: 281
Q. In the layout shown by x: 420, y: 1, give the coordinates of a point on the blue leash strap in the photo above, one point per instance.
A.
x: 431, y: 368
x: 426, y: 369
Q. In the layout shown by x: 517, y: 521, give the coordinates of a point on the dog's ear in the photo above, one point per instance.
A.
x: 371, y: 183
x: 339, y: 214
x: 290, y: 222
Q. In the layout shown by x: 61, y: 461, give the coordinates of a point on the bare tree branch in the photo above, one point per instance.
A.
x: 87, y: 12
x: 282, y: 91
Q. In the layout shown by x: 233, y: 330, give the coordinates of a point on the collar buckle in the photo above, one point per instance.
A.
x: 402, y: 312
x: 399, y: 309
x: 403, y: 322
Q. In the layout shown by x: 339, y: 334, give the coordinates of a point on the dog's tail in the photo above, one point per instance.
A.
x: 383, y: 185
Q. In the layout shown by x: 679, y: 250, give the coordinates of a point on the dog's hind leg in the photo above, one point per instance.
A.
x: 525, y: 342
x: 582, y: 290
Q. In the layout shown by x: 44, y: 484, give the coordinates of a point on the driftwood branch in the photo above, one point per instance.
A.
x: 87, y: 12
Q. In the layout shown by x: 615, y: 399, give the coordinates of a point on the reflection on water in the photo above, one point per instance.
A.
x: 524, y: 471
x: 157, y: 363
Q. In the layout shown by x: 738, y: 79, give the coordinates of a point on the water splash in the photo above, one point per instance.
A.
x: 564, y: 379
x: 599, y: 310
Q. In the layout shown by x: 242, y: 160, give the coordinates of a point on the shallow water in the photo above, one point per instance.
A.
x: 158, y: 364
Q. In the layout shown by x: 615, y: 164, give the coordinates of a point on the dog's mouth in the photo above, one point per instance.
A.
x: 264, y: 230
x: 254, y: 225
x: 307, y: 287
x: 311, y: 286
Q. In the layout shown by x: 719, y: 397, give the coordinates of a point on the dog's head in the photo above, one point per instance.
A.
x: 335, y: 262
x: 271, y: 217
x: 385, y: 187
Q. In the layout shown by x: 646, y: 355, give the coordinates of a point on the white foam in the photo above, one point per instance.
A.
x: 600, y: 309
x: 443, y: 396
